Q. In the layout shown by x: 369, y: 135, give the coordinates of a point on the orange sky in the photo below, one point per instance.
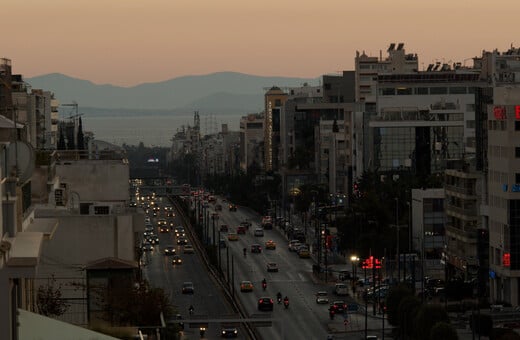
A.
x: 128, y: 42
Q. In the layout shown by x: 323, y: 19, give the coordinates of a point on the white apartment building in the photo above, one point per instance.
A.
x: 501, y: 200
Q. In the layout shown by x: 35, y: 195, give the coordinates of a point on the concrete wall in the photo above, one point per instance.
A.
x: 81, y: 239
x: 110, y: 177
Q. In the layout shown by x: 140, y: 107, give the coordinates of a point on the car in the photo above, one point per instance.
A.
x: 232, y: 236
x: 256, y: 248
x: 176, y: 260
x: 180, y: 233
x: 341, y: 289
x: 272, y: 267
x: 338, y: 306
x: 241, y: 229
x: 224, y: 228
x: 154, y: 238
x: 293, y: 244
x: 232, y: 207
x: 267, y: 222
x: 322, y: 297
x: 304, y: 253
x: 246, y: 286
x: 259, y: 232
x: 182, y: 241
x: 229, y: 332
x: 270, y: 244
x: 147, y: 233
x: 188, y: 249
x: 147, y: 246
x: 222, y: 243
x: 265, y: 304
x: 164, y: 229
x: 246, y: 224
x: 161, y: 222
x: 169, y: 250
x: 187, y: 288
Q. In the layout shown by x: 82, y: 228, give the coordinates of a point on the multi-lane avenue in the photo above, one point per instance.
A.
x: 304, y: 319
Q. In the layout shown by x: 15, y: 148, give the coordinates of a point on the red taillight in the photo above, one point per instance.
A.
x: 271, y: 300
x: 261, y: 301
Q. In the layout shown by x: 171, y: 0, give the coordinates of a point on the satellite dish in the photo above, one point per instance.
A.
x: 21, y: 159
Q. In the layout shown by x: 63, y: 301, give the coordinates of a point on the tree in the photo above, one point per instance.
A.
x: 61, y: 139
x: 80, y: 136
x: 443, y: 330
x: 141, y: 304
x: 49, y: 300
x: 427, y: 317
x: 407, y: 311
x: 393, y: 300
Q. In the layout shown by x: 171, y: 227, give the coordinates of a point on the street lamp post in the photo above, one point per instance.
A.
x: 354, y: 260
x: 397, y: 232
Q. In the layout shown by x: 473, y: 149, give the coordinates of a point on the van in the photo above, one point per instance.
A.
x: 341, y: 289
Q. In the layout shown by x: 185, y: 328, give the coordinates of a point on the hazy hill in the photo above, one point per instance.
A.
x: 229, y: 92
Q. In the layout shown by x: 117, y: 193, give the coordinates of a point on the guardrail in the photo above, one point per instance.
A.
x: 212, y: 270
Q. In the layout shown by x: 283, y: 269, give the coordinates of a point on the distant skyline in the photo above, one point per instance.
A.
x: 126, y: 43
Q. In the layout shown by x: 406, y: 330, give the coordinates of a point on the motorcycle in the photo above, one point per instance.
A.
x: 286, y: 303
x: 279, y: 300
x: 264, y: 285
x: 331, y: 314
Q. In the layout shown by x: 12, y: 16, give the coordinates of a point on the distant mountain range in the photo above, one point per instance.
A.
x: 222, y: 92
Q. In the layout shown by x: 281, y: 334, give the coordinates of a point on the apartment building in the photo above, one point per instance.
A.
x: 274, y: 100
x: 251, y: 141
x: 499, y: 121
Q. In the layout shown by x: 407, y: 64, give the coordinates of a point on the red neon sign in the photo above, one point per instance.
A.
x: 499, y: 112
x: 506, y: 259
x: 517, y: 112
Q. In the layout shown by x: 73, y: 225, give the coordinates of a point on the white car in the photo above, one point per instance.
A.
x: 259, y: 232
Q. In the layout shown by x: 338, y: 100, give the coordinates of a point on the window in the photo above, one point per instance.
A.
x: 438, y: 90
x: 404, y: 91
x: 421, y: 90
x: 101, y: 210
x: 457, y: 90
x: 388, y: 91
x: 470, y: 124
x: 517, y: 125
x: 470, y: 107
x: 517, y: 178
x: 517, y: 152
x: 277, y: 102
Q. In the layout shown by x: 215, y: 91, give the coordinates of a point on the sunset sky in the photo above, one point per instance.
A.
x: 128, y: 42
